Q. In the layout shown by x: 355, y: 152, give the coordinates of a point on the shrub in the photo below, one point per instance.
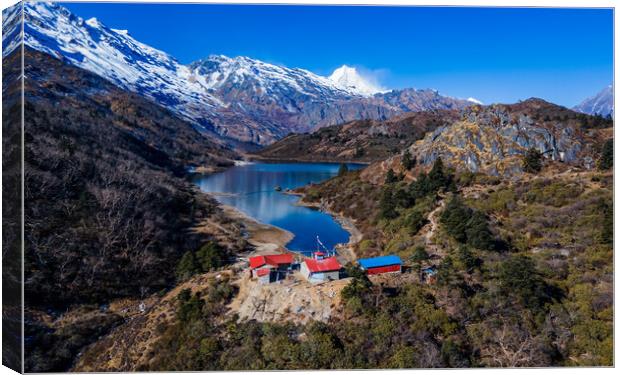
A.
x: 415, y: 222
x: 190, y: 306
x: 210, y: 256
x: 390, y: 177
x: 408, y: 161
x: 466, y: 225
x: 188, y: 266
x: 519, y: 277
x: 607, y: 155
x: 532, y: 161
x: 342, y: 170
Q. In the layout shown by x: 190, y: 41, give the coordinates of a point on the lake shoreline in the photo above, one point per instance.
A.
x: 346, y: 250
x: 265, y: 238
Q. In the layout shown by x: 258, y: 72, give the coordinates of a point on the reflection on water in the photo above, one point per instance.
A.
x: 251, y: 189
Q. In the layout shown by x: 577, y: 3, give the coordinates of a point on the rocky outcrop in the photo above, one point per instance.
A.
x: 493, y: 139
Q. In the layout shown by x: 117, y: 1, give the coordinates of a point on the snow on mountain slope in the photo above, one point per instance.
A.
x: 217, y: 71
x: 601, y: 103
x: 11, y: 28
x: 238, y: 98
x: 348, y: 77
x: 114, y: 55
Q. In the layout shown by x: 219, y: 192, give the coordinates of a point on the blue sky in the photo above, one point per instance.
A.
x: 493, y: 54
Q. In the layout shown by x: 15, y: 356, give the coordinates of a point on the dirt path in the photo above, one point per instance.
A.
x: 430, y: 229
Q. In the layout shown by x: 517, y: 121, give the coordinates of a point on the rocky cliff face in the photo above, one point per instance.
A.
x: 493, y: 139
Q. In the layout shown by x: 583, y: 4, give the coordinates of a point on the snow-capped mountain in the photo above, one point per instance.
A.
x: 218, y: 71
x: 601, y: 103
x: 348, y: 78
x: 114, y: 55
x: 238, y: 98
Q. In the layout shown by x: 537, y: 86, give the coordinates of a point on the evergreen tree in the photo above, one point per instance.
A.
x: 415, y: 222
x: 342, y: 170
x: 455, y: 217
x: 408, y: 161
x: 210, y: 256
x: 188, y: 266
x: 607, y: 156
x: 390, y: 177
x: 518, y: 276
x: 387, y: 204
x: 467, y: 259
x: 437, y: 176
x: 403, y: 198
x: 532, y: 161
x: 607, y: 233
x: 478, y: 233
x: 420, y: 187
x: 466, y: 225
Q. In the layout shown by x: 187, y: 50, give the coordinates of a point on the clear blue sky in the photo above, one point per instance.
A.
x: 493, y: 54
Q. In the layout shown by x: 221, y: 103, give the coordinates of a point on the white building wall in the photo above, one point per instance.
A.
x: 303, y: 269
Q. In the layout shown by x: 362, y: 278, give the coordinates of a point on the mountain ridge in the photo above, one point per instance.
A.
x: 236, y: 105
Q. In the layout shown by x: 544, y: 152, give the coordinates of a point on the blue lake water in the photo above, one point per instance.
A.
x: 251, y: 189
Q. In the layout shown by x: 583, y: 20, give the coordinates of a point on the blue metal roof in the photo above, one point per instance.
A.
x: 387, y: 260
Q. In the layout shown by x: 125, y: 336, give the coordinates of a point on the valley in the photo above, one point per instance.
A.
x: 154, y: 189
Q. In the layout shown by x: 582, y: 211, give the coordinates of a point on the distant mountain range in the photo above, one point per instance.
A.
x: 239, y: 98
x: 601, y: 103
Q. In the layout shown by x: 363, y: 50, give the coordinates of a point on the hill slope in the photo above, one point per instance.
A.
x: 493, y: 139
x: 360, y: 140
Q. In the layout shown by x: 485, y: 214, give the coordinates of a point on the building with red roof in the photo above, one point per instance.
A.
x: 270, y: 267
x: 319, y: 270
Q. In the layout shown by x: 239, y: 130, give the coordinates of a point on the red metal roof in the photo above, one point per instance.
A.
x: 263, y: 272
x: 323, y: 265
x: 272, y: 260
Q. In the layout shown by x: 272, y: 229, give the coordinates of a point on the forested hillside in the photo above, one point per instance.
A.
x: 107, y: 208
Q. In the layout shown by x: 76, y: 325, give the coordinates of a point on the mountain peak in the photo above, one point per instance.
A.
x: 474, y: 100
x: 348, y: 78
x: 602, y: 103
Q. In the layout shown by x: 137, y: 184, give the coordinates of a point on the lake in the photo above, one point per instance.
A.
x: 251, y: 189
